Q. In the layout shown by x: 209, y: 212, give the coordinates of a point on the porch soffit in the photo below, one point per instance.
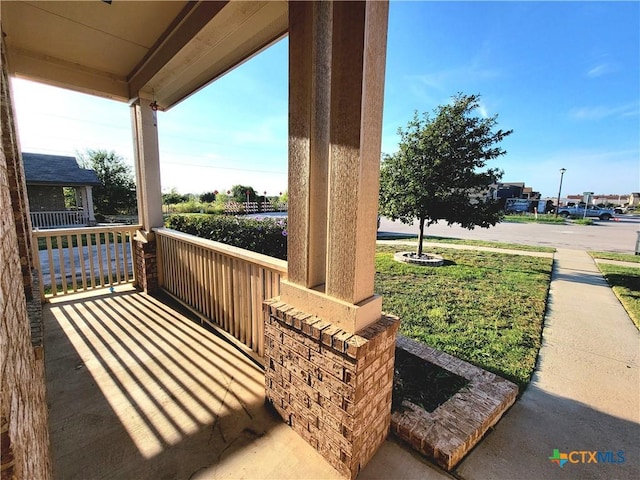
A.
x: 170, y: 48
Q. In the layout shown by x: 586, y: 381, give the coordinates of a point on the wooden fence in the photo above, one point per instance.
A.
x: 236, y: 208
x: 224, y: 285
x: 71, y: 260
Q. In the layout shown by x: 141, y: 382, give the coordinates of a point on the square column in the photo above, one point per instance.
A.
x: 88, y: 206
x: 337, y: 53
x: 329, y: 349
x: 147, y: 163
x: 149, y: 194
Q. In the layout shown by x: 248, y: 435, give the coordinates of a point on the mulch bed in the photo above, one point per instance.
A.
x: 422, y: 383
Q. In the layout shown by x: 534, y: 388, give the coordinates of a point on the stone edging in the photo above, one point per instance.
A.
x: 456, y: 426
x: 427, y: 260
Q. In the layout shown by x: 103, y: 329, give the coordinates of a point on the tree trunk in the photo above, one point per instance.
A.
x: 420, y: 236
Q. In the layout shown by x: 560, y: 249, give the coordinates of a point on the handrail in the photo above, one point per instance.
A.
x: 50, y: 232
x: 260, y: 259
x: 69, y: 260
x: 224, y: 285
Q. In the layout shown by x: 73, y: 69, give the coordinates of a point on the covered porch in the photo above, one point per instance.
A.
x: 137, y: 388
x: 326, y: 347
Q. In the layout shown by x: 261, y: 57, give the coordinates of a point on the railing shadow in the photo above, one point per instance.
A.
x: 137, y: 390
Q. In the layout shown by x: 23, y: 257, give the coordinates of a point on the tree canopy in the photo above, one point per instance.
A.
x: 439, y: 172
x: 208, y: 197
x: 117, y: 194
x: 173, y: 197
x: 239, y: 193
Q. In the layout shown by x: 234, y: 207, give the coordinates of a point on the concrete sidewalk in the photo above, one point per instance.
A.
x: 584, y: 395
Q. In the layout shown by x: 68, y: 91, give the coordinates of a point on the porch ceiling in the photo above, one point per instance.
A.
x: 167, y: 48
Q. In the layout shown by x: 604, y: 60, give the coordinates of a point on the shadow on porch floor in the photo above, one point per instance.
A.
x: 137, y: 390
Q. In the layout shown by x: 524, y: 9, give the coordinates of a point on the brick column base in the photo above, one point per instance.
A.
x: 333, y: 387
x: 146, y: 264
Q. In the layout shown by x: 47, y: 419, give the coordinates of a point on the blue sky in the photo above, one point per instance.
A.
x: 565, y: 76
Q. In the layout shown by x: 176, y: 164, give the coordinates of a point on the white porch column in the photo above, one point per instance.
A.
x: 81, y: 201
x: 147, y: 164
x: 87, y: 203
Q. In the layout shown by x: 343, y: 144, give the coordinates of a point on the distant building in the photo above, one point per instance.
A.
x: 502, y: 191
x: 608, y: 199
x: 46, y: 177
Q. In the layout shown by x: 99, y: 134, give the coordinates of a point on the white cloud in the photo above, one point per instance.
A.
x: 599, y: 112
x: 600, y: 69
x: 443, y: 80
x: 482, y: 110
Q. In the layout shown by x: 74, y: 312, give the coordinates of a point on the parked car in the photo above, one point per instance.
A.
x: 620, y: 210
x: 591, y: 211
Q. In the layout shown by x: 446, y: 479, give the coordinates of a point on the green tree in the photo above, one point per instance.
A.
x: 208, y: 197
x: 173, y: 197
x: 239, y: 193
x: 69, y: 197
x: 437, y: 173
x: 117, y: 192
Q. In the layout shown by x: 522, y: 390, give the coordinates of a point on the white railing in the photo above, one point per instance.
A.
x: 224, y: 285
x: 64, y: 218
x: 71, y: 260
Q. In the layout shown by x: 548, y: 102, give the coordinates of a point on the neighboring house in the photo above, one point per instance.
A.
x: 504, y: 190
x: 46, y: 176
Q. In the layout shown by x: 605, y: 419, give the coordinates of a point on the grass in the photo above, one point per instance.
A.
x: 477, y: 243
x: 622, y: 257
x: 483, y: 307
x: 583, y: 221
x: 625, y: 282
x: 529, y: 218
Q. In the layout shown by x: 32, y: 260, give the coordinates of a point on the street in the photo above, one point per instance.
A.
x: 612, y: 236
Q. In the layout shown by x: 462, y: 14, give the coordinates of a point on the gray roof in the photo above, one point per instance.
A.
x: 41, y: 169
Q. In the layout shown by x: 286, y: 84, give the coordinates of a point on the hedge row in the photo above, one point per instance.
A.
x: 267, y: 236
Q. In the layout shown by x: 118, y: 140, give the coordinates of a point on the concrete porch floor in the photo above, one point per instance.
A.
x: 137, y: 390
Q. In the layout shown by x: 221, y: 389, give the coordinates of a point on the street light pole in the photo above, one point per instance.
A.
x: 562, y: 170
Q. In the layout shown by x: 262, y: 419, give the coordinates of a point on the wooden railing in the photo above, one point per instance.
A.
x: 64, y: 218
x: 71, y: 260
x: 224, y: 285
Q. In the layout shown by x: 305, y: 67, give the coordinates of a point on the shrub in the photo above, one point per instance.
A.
x: 267, y: 236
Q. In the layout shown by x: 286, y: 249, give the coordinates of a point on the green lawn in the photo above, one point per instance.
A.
x: 623, y: 257
x: 486, y: 308
x: 625, y: 282
x: 530, y: 218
